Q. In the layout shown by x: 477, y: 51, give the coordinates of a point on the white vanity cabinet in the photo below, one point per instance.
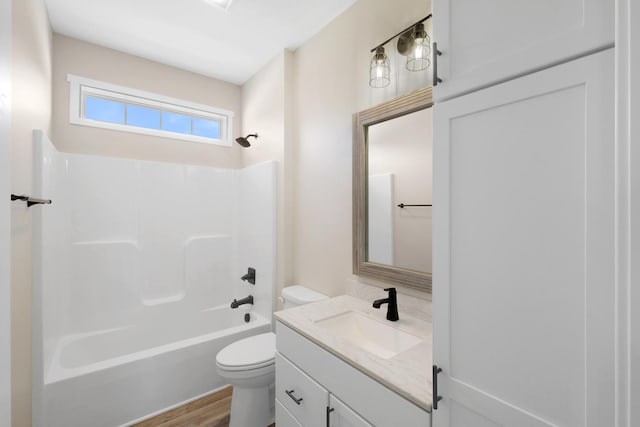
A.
x: 484, y: 42
x: 524, y: 249
x: 338, y: 415
x: 304, y: 402
x: 314, y: 388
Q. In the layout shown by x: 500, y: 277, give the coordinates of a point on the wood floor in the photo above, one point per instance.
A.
x: 209, y: 411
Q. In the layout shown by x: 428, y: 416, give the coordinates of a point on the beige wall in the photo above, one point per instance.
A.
x: 267, y: 111
x: 5, y: 213
x: 330, y: 84
x: 71, y: 56
x: 31, y: 108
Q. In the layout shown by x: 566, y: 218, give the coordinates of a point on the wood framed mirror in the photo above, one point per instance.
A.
x: 392, y: 161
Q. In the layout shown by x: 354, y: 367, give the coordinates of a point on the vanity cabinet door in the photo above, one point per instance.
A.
x: 341, y: 415
x: 524, y: 250
x: 284, y: 417
x: 484, y: 42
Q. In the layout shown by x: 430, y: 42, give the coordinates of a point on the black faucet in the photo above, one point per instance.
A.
x: 392, y: 307
x: 238, y: 302
x: 250, y: 276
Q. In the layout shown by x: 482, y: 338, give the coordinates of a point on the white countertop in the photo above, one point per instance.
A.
x: 407, y: 373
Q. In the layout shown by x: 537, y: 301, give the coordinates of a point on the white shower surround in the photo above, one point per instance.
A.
x: 135, y: 264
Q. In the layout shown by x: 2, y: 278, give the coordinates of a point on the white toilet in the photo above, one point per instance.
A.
x: 249, y: 366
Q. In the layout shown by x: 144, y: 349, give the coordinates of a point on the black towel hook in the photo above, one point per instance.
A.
x: 30, y: 200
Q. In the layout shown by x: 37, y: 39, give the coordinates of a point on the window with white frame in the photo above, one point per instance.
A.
x: 104, y: 105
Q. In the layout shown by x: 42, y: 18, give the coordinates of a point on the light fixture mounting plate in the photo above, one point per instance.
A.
x: 405, y: 42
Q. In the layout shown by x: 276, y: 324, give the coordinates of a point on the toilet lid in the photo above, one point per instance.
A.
x: 300, y: 295
x: 249, y: 353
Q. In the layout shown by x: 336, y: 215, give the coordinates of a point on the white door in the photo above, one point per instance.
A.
x: 524, y: 250
x: 5, y: 238
x: 633, y: 156
x: 484, y: 42
x: 341, y: 415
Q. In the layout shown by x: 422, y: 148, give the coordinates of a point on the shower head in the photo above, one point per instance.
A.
x: 244, y: 141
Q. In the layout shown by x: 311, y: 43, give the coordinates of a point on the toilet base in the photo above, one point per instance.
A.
x: 252, y: 406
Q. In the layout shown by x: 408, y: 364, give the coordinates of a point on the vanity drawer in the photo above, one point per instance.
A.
x: 304, y: 398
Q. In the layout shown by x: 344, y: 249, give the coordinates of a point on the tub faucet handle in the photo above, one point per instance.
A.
x: 250, y: 276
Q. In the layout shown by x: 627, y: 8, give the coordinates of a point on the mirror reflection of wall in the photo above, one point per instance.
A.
x: 399, y: 157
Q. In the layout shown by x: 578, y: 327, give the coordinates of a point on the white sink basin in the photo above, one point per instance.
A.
x: 378, y: 338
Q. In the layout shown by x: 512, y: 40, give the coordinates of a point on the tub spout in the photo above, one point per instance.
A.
x: 238, y: 302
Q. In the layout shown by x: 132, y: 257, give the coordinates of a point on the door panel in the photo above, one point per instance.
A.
x: 463, y: 417
x: 524, y: 250
x: 631, y: 331
x: 488, y: 41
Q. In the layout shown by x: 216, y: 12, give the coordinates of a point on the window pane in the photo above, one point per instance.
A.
x: 143, y: 117
x: 206, y: 128
x: 103, y: 110
x: 173, y: 122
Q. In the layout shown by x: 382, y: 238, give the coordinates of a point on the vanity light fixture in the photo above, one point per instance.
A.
x: 413, y: 42
x: 419, y: 55
x: 379, y: 69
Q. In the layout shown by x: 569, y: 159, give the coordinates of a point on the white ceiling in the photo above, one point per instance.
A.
x: 230, y: 45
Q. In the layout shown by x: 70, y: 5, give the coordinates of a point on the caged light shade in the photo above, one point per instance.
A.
x: 418, y: 58
x: 380, y: 69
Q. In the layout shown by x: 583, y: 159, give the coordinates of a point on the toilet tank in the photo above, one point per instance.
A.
x: 293, y: 296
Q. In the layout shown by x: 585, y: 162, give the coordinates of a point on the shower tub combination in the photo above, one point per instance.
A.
x: 118, y: 376
x: 135, y: 264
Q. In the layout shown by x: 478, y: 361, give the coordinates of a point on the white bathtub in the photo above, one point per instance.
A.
x: 117, y: 376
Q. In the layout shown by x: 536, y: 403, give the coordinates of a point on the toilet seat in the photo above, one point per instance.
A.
x: 258, y: 351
